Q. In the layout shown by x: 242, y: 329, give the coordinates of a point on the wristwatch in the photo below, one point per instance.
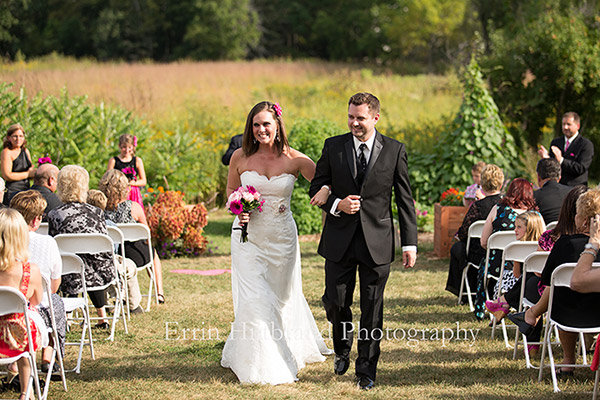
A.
x: 591, y: 246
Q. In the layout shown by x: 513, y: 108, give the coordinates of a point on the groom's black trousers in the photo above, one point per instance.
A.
x: 340, y: 279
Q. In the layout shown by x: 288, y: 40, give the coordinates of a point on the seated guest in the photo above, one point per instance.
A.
x: 474, y: 192
x: 529, y: 226
x: 18, y: 273
x: 549, y: 197
x: 571, y: 306
x: 534, y: 290
x: 76, y: 216
x: 585, y: 279
x: 97, y: 199
x: 44, y: 181
x: 121, y: 211
x: 492, y: 179
x: 43, y: 251
x: 517, y: 200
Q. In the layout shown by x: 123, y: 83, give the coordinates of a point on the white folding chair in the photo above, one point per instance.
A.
x: 94, y: 243
x: 73, y: 264
x: 551, y: 225
x: 561, y: 277
x: 117, y: 237
x: 55, y: 344
x: 132, y: 233
x: 534, y: 263
x: 496, y: 241
x: 12, y: 301
x: 475, y: 230
x: 43, y: 229
x: 516, y: 251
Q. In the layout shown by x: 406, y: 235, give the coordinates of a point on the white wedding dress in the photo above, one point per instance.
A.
x: 274, y: 334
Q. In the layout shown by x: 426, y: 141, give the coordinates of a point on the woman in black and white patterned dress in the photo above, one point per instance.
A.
x: 76, y: 216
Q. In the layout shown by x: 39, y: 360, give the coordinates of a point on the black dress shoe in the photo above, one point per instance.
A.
x: 519, y: 320
x: 341, y: 364
x: 365, y: 383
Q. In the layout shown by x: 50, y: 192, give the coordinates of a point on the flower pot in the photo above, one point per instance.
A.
x: 447, y: 221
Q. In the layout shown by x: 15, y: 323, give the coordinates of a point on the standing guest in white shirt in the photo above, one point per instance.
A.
x: 43, y: 251
x: 572, y: 151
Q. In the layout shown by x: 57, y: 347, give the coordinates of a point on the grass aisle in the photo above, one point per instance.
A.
x: 145, y: 365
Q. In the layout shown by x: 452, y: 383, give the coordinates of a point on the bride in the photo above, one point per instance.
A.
x: 274, y: 334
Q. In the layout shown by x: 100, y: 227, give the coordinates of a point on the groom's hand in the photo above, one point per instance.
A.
x: 409, y: 258
x: 350, y: 204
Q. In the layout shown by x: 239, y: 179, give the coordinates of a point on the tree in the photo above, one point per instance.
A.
x: 547, y: 66
x: 224, y: 29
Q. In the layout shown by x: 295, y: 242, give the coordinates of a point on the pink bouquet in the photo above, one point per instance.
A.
x: 129, y: 173
x: 44, y: 160
x: 244, y: 200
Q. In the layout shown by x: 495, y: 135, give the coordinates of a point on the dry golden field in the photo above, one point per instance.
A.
x: 219, y: 94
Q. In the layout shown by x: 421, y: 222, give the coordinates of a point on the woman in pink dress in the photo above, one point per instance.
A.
x: 131, y: 165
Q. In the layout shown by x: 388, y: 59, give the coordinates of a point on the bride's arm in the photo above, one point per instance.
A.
x: 306, y: 166
x: 233, y: 176
x: 234, y: 181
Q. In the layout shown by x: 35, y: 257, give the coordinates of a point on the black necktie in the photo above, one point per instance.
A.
x: 362, y: 163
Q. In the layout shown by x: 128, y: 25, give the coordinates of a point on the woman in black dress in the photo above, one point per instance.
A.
x: 15, y: 162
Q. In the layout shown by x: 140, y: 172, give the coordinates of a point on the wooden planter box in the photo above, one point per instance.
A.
x: 447, y: 221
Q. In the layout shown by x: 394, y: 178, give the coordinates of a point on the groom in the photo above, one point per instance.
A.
x: 361, y: 168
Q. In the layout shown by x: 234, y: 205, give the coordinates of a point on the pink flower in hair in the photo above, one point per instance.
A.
x: 134, y: 141
x: 278, y: 109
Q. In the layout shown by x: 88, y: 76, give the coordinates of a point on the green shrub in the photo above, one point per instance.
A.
x: 69, y: 130
x: 475, y: 134
x: 308, y: 136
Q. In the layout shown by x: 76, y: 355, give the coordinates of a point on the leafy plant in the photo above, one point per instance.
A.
x: 308, y: 137
x: 476, y: 134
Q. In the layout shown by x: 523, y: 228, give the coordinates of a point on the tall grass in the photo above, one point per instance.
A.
x: 214, y: 97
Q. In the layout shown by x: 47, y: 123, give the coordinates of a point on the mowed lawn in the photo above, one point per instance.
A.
x: 421, y: 357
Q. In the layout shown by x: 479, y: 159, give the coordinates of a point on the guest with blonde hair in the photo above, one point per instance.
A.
x: 43, y: 251
x: 76, y: 216
x: 18, y: 273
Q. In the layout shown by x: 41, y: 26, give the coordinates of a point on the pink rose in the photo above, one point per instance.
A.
x: 249, y: 197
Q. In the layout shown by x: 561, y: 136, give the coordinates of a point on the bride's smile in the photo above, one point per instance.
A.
x: 264, y: 127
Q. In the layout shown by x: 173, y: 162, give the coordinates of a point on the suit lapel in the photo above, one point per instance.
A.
x: 351, y: 156
x: 377, y: 146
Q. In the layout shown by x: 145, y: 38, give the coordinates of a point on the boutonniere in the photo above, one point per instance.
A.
x: 572, y: 155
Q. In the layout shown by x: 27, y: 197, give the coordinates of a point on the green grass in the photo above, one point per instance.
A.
x: 144, y: 365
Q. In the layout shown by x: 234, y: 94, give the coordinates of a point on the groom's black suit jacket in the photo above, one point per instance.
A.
x: 387, y: 170
x: 577, y: 160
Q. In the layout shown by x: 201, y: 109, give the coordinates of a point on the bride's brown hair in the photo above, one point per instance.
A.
x: 249, y: 145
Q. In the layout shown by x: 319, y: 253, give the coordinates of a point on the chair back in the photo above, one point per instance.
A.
x: 499, y: 240
x: 134, y: 231
x: 43, y: 229
x: 84, y: 243
x: 475, y: 231
x: 535, y: 262
x: 519, y: 250
x: 12, y: 301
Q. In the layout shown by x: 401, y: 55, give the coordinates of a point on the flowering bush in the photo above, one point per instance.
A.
x: 176, y: 228
x: 149, y: 198
x: 452, y: 197
x: 425, y: 217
